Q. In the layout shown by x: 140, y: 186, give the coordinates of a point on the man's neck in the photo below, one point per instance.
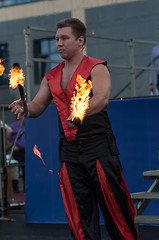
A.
x: 74, y: 61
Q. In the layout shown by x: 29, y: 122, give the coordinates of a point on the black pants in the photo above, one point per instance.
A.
x: 90, y: 176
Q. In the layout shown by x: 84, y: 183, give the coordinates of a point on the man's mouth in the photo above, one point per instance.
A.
x: 60, y: 50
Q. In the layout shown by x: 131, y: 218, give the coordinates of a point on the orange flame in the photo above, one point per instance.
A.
x: 16, y: 77
x: 80, y: 99
x: 37, y: 152
x: 1, y: 68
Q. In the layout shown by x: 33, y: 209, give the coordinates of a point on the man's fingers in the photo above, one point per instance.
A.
x: 71, y: 124
x: 17, y: 108
x: 17, y: 102
x: 19, y: 116
x: 11, y: 105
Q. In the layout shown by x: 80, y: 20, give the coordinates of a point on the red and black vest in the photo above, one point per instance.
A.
x: 91, y: 125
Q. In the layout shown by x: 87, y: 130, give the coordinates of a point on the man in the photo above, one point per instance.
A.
x: 154, y: 75
x: 90, y: 171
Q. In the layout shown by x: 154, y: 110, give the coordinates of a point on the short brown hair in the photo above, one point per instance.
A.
x: 78, y: 27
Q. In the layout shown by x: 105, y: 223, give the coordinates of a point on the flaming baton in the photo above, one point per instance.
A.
x: 17, y: 79
x: 1, y: 67
x: 80, y: 99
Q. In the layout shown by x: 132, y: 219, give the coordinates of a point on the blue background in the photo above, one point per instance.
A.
x: 135, y: 125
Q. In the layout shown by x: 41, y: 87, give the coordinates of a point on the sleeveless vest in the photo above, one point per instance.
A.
x: 91, y: 125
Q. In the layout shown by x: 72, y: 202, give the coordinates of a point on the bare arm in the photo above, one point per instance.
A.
x: 101, y: 89
x: 37, y: 106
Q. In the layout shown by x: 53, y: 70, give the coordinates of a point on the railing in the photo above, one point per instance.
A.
x: 148, y: 67
x: 3, y: 160
x: 131, y: 43
x: 2, y: 156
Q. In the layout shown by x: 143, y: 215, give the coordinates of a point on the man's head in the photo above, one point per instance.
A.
x: 78, y: 28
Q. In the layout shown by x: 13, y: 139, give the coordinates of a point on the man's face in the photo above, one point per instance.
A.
x: 66, y: 43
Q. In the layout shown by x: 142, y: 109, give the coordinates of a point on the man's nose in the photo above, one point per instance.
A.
x: 59, y: 43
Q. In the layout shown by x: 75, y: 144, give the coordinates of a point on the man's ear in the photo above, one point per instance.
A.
x: 81, y: 41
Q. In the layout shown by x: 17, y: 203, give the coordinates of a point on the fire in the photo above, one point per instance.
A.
x: 1, y: 68
x: 37, y: 152
x: 80, y: 99
x: 51, y: 171
x: 16, y: 77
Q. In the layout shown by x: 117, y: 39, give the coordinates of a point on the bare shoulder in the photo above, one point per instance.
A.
x: 100, y: 69
x: 101, y: 80
x: 44, y: 87
x: 100, y: 72
x: 45, y: 82
x: 43, y: 96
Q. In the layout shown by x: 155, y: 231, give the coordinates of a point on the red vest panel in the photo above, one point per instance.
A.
x: 62, y: 98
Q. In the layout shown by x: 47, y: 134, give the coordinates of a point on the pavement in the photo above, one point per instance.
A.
x: 13, y: 226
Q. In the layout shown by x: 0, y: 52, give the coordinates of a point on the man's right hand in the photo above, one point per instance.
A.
x: 17, y: 108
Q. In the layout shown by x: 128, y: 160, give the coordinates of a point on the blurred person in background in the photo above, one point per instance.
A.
x: 19, y: 150
x: 154, y: 75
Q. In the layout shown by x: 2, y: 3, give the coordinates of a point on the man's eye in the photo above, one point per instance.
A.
x: 65, y: 37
